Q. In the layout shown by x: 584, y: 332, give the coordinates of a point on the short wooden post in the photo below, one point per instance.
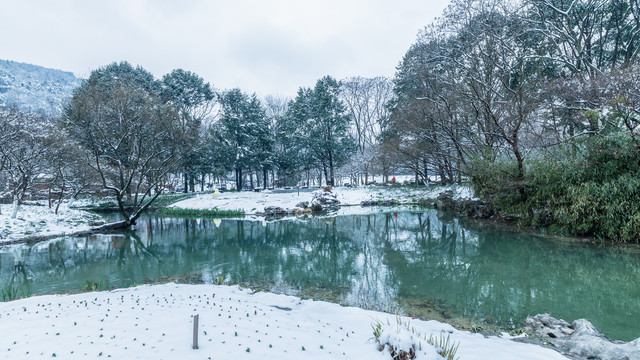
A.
x: 195, y: 331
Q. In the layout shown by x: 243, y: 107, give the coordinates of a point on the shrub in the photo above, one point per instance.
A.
x: 590, y: 188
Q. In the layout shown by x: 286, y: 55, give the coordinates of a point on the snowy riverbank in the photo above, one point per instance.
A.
x: 155, y: 322
x: 255, y: 202
x: 41, y: 221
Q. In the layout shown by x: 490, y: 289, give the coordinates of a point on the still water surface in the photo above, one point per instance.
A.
x: 418, y: 263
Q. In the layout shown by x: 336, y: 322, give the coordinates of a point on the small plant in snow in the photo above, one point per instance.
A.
x: 403, y: 342
x: 446, y: 348
x: 91, y: 285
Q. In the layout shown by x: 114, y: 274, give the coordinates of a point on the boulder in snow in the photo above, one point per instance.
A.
x: 581, y: 339
x: 324, y: 201
x: 274, y: 211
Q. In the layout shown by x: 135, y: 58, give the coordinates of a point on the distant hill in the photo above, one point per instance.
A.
x: 35, y: 88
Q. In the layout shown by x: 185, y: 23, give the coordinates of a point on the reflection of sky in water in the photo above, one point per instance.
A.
x: 405, y: 261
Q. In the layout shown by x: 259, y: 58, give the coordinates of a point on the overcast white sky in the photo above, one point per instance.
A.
x: 262, y: 46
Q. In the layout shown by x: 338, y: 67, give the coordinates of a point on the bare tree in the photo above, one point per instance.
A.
x: 366, y: 100
x: 24, y: 152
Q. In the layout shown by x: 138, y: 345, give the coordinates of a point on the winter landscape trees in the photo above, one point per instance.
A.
x: 525, y: 99
x: 26, y: 140
x: 493, y: 92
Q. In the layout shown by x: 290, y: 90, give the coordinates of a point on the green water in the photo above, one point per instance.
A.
x: 416, y: 263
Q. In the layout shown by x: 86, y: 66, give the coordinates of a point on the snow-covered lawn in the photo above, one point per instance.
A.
x: 33, y: 220
x: 253, y: 202
x: 155, y: 322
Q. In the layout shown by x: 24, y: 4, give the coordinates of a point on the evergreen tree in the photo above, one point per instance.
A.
x: 193, y: 98
x: 261, y: 138
x: 244, y: 133
x: 323, y: 125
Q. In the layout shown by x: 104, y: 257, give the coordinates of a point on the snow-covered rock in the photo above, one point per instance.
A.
x: 581, y: 339
x: 324, y: 201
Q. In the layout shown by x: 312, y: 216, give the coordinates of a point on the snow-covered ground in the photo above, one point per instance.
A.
x: 155, y: 322
x: 253, y: 202
x: 32, y: 220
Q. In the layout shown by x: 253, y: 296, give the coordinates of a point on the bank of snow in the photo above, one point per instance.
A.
x: 34, y: 220
x: 255, y: 202
x: 155, y: 322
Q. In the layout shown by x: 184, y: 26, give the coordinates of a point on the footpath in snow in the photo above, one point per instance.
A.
x: 255, y: 202
x: 155, y: 322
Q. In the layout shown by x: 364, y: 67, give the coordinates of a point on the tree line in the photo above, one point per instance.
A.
x: 131, y: 136
x: 537, y: 102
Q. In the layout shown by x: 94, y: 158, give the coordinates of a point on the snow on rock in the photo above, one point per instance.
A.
x: 324, y: 200
x: 581, y: 339
x: 155, y: 322
x: 34, y: 220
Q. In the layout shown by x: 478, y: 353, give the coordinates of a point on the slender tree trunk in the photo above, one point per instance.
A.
x: 18, y: 197
x: 426, y: 172
x: 16, y: 207
x: 520, y: 175
x: 60, y: 198
x: 366, y: 174
x: 49, y: 200
x: 265, y: 174
x: 73, y: 198
x: 331, y: 170
x: 326, y: 175
x: 238, y: 179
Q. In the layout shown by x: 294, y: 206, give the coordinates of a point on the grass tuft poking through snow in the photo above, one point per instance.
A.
x: 403, y: 342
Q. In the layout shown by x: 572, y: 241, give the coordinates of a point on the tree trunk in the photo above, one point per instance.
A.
x: 238, y: 179
x: 331, y: 170
x: 16, y: 207
x: 326, y: 175
x: 186, y: 183
x: 264, y: 177
x: 520, y: 175
x: 60, y: 198
x: 72, y: 200
x: 366, y: 174
x: 19, y: 196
